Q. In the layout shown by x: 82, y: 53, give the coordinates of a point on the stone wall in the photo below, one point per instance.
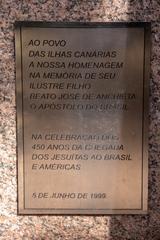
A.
x: 132, y: 227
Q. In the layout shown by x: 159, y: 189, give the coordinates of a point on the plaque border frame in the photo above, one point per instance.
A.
x: 21, y: 210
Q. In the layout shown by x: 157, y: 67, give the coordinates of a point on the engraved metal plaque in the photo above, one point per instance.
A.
x: 82, y: 96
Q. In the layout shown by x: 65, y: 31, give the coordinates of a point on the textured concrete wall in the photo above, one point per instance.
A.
x: 67, y: 227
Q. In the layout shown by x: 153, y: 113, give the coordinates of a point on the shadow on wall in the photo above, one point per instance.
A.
x: 124, y: 227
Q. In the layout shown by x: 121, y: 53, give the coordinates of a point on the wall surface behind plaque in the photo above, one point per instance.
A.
x: 68, y: 227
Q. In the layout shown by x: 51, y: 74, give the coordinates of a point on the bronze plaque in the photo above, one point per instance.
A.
x: 82, y: 102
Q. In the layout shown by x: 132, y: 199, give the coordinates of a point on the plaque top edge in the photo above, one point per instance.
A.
x: 46, y: 24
